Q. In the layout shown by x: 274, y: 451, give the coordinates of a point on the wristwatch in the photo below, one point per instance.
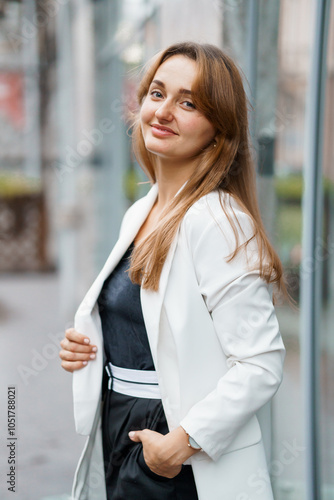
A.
x: 191, y: 442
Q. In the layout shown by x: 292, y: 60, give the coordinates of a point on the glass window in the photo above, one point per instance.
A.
x: 326, y: 256
x: 294, y: 52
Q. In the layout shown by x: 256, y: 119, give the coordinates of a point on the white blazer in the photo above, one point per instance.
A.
x: 216, y: 347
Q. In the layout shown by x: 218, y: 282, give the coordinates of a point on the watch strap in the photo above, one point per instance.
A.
x: 192, y: 443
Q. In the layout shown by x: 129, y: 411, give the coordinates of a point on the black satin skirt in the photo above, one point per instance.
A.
x: 127, y: 475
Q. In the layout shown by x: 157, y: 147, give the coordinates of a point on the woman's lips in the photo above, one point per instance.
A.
x: 160, y: 131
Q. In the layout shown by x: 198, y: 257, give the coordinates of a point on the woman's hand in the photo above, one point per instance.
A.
x: 76, y: 350
x: 164, y: 454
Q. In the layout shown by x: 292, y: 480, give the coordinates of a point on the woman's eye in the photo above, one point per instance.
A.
x: 156, y: 93
x: 188, y: 104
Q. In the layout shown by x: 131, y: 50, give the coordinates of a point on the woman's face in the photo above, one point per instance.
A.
x: 171, y: 125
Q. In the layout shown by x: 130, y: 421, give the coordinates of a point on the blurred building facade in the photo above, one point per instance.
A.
x: 68, y: 130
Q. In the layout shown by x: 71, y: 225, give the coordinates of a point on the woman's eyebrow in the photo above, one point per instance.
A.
x: 161, y: 84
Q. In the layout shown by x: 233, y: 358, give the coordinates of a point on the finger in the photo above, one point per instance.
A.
x: 74, y: 336
x: 68, y: 345
x: 70, y: 366
x: 76, y: 356
x: 142, y: 435
x: 136, y: 436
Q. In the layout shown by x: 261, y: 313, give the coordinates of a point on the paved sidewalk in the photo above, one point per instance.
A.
x: 47, y: 447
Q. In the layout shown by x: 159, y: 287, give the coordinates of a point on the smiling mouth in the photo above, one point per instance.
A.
x: 163, y: 129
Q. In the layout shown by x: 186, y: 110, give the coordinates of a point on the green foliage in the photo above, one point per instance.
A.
x: 289, y: 188
x: 13, y: 185
x: 130, y: 183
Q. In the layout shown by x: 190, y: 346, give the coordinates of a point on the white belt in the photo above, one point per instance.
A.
x: 136, y: 383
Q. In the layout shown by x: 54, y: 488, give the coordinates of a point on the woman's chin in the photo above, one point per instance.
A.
x: 162, y: 152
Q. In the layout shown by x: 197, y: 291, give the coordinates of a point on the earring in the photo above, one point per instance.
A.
x: 214, y: 144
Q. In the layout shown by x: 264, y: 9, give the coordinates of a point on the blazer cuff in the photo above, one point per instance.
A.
x: 200, y: 437
x: 248, y: 435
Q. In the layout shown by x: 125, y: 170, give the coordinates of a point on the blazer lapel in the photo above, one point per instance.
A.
x: 127, y: 235
x: 152, y: 302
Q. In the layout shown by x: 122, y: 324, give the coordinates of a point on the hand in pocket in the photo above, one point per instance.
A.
x: 156, y: 457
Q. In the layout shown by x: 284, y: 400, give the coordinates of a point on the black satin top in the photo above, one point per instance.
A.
x: 124, y: 333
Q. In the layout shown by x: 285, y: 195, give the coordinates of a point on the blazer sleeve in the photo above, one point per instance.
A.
x: 240, y: 304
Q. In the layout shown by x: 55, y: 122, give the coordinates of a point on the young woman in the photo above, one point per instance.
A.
x: 188, y: 336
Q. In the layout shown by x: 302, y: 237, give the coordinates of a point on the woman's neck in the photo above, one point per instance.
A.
x: 170, y: 178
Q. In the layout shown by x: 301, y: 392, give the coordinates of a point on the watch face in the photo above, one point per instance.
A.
x: 193, y: 443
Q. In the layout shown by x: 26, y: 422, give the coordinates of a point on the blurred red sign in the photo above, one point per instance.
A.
x: 11, y: 98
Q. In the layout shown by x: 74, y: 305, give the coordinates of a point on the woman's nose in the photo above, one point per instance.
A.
x: 164, y: 111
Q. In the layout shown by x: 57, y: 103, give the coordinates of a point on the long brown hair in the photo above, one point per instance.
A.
x: 219, y: 94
